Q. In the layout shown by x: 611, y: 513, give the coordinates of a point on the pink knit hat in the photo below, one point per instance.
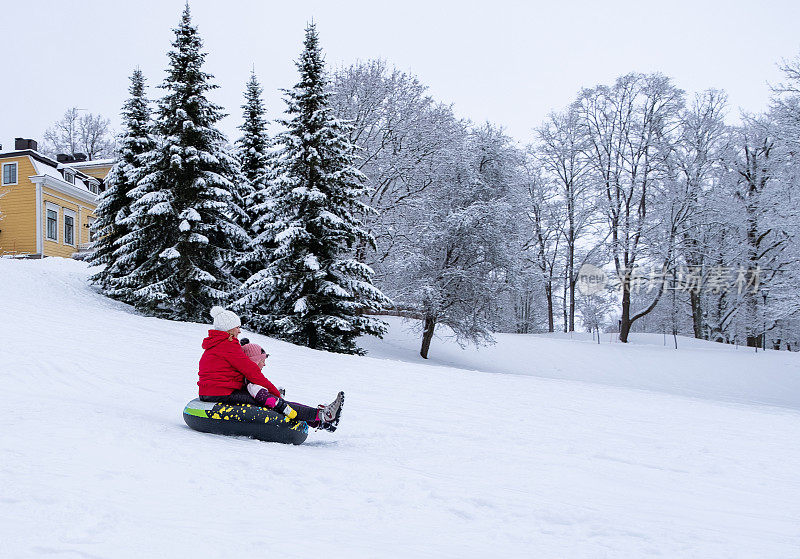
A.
x: 254, y: 352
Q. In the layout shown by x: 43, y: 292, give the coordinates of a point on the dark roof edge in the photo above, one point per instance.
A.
x: 44, y: 159
x: 35, y: 154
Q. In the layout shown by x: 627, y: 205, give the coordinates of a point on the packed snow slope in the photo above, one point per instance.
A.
x: 538, y: 446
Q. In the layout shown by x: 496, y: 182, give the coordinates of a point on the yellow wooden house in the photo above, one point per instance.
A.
x: 47, y: 206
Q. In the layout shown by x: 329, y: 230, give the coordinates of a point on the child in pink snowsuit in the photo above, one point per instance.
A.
x: 321, y: 417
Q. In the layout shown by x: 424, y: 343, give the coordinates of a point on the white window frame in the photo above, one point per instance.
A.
x: 16, y: 174
x: 49, y: 206
x: 70, y: 213
x: 69, y: 176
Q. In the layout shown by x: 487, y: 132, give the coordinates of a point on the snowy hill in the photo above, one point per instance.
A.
x: 538, y: 446
x: 699, y: 368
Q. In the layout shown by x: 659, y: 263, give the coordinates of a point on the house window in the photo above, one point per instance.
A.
x: 69, y: 176
x: 9, y: 173
x: 69, y: 227
x: 52, y: 222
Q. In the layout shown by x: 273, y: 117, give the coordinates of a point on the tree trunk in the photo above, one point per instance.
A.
x: 528, y: 306
x: 427, y: 336
x: 571, y: 304
x: 571, y: 271
x: 565, y: 307
x: 311, y: 334
x: 571, y: 250
x: 697, y: 314
x: 625, y: 322
x: 523, y: 313
x: 548, y: 289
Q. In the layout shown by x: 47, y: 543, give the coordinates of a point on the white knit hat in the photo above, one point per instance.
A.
x: 224, y: 320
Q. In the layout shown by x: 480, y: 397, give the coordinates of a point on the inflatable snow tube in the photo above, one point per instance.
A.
x: 244, y: 420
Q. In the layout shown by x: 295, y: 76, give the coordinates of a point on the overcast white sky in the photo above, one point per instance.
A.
x: 504, y: 61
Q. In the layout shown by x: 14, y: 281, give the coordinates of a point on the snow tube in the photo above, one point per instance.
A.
x: 244, y: 420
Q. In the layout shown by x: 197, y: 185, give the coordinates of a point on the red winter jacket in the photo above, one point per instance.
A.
x: 224, y: 366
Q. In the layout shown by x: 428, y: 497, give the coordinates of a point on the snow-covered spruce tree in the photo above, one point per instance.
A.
x: 110, y: 230
x: 313, y: 290
x: 183, y: 215
x: 255, y: 157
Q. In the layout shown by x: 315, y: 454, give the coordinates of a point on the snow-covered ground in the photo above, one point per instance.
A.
x: 538, y: 446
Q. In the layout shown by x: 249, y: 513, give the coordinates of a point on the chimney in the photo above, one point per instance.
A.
x: 64, y: 158
x: 25, y: 143
x: 79, y: 156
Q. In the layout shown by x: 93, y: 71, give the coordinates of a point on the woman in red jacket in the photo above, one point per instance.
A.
x: 224, y: 368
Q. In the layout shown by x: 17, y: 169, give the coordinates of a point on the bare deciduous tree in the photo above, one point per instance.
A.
x: 698, y: 157
x: 628, y: 128
x: 543, y: 244
x: 561, y: 150
x: 88, y: 133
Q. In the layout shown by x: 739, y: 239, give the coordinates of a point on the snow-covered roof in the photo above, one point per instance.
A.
x: 92, y: 163
x: 43, y: 168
